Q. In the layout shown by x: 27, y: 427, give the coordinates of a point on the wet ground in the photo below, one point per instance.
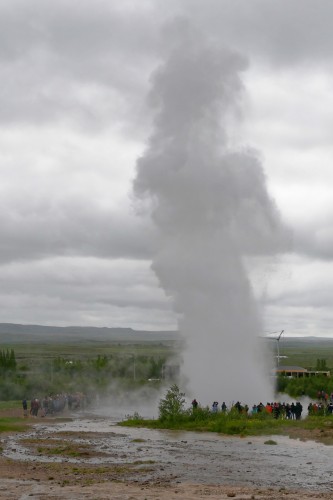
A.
x: 180, y: 457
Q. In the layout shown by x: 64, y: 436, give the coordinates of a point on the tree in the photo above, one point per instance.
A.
x: 7, y: 360
x: 321, y: 365
x: 172, y: 406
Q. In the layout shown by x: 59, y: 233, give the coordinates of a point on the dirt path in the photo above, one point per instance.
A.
x: 36, y: 488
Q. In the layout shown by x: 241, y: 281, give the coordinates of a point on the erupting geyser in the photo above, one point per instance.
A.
x: 211, y: 209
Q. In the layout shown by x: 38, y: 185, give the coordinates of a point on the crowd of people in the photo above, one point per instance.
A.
x: 50, y: 405
x: 293, y: 411
x: 288, y: 411
x: 321, y: 408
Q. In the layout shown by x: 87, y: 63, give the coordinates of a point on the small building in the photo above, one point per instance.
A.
x: 298, y: 371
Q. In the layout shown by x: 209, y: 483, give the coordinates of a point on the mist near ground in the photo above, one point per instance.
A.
x: 211, y: 209
x: 121, y: 404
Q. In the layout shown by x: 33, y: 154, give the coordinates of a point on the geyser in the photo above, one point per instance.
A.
x: 211, y: 209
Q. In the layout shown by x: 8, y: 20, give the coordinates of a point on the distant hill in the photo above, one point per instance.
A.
x: 11, y: 333
x: 304, y: 341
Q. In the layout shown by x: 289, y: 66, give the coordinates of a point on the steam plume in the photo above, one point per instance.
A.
x: 211, y: 208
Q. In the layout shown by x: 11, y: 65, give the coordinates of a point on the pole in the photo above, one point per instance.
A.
x: 134, y: 368
x: 278, y: 348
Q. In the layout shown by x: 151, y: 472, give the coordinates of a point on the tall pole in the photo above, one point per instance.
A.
x: 278, y: 348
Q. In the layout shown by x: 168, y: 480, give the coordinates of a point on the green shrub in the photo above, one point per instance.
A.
x: 172, y: 406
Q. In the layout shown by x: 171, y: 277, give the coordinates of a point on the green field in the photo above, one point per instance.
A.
x: 305, y: 353
x: 88, y: 367
x: 93, y: 366
x: 298, y: 352
x: 85, y: 350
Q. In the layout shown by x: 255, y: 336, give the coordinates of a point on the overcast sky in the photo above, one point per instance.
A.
x: 74, y: 118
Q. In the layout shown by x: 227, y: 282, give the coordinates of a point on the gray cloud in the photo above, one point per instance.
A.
x: 90, y: 61
x: 68, y: 61
x: 84, y: 291
x: 74, y: 116
x: 71, y: 228
x: 283, y: 33
x: 315, y: 240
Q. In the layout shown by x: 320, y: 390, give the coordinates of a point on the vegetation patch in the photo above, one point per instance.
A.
x: 144, y: 462
x: 9, y: 424
x: 51, y: 368
x: 53, y: 447
x: 270, y: 442
x: 174, y: 415
x: 10, y: 405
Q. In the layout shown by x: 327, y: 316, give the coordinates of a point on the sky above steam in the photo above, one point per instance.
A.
x: 75, y: 116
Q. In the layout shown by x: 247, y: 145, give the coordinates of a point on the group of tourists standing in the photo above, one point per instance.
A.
x: 291, y: 411
x: 49, y: 405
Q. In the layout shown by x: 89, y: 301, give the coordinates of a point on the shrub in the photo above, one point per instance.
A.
x: 172, y: 406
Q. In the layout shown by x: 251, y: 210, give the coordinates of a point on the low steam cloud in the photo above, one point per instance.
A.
x: 211, y: 208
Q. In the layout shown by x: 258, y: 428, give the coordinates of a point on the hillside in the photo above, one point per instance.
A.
x: 18, y: 334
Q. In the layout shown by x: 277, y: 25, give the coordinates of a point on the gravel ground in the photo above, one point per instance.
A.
x: 89, y: 457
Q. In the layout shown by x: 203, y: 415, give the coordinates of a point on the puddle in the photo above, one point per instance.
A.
x: 203, y: 458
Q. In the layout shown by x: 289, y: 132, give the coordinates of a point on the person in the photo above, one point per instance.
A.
x: 288, y: 412
x: 223, y: 407
x: 239, y: 407
x: 269, y: 408
x: 34, y: 407
x: 25, y: 407
x: 276, y: 410
x: 298, y: 410
x: 215, y: 406
x: 194, y: 404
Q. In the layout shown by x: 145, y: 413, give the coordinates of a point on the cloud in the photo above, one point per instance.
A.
x: 84, y: 291
x: 297, y: 296
x: 278, y: 33
x: 315, y: 240
x: 71, y: 228
x: 75, y: 117
x: 62, y: 196
x: 72, y: 62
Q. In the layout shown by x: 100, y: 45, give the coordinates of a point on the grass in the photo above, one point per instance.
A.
x: 10, y: 424
x: 87, y: 350
x: 233, y: 423
x: 60, y: 447
x: 298, y: 351
x: 315, y: 423
x: 65, y: 450
x: 10, y: 405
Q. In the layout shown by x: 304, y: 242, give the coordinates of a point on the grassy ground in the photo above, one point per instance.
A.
x: 88, y: 350
x: 304, y: 353
x: 10, y: 405
x: 318, y: 428
x: 11, y: 417
x: 242, y: 425
x: 298, y: 351
x: 12, y: 424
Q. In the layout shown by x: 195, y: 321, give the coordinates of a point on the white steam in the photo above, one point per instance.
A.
x: 211, y: 209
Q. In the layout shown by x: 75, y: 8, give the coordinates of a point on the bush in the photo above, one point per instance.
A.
x: 172, y: 406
